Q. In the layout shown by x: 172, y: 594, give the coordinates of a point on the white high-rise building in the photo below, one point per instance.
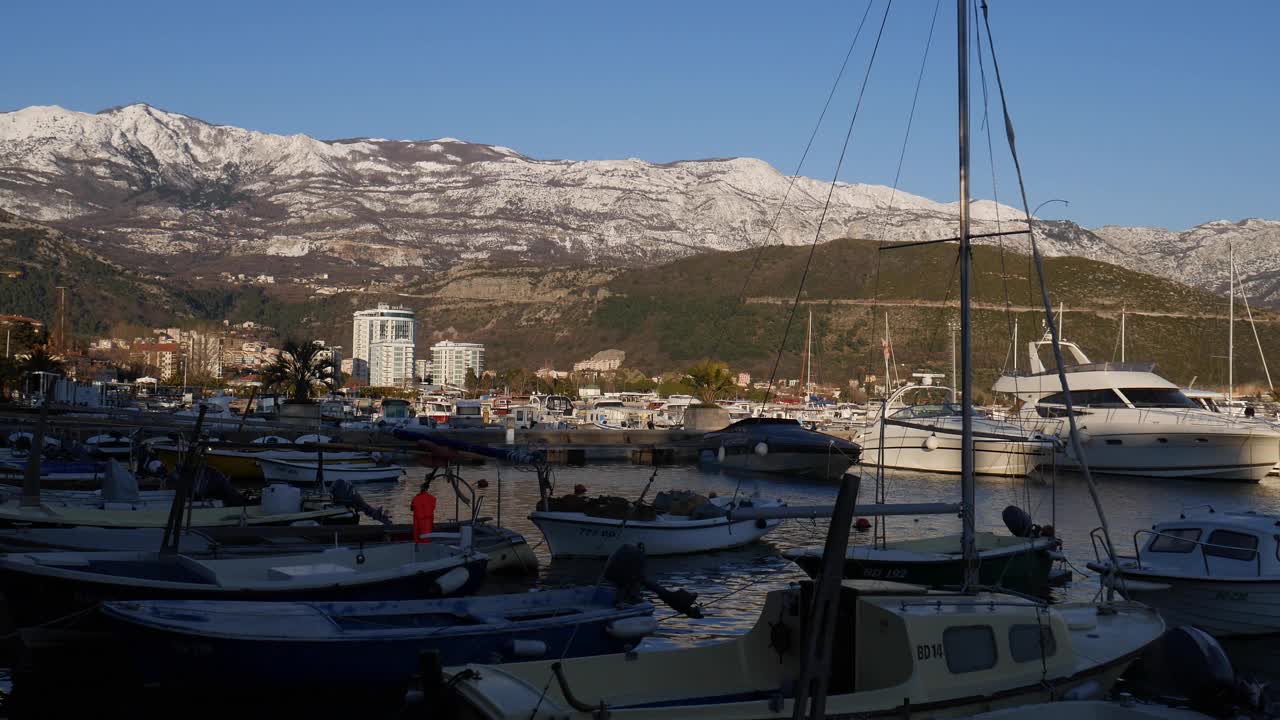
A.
x: 382, y: 325
x: 391, y: 364
x: 451, y: 360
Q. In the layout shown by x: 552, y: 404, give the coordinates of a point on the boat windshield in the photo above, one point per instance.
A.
x: 927, y: 411
x: 1158, y: 398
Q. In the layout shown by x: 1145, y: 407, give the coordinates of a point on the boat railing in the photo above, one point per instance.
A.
x: 1204, y: 556
x: 938, y: 605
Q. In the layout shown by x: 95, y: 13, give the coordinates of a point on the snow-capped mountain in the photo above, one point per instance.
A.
x: 171, y: 192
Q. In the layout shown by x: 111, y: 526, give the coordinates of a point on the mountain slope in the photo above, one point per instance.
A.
x: 181, y: 197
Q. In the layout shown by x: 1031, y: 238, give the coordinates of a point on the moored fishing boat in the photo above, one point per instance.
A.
x: 41, y: 586
x: 307, y: 473
x: 13, y: 514
x: 369, y: 645
x: 926, y: 437
x: 507, y: 550
x: 1219, y: 571
x: 679, y: 527
x: 779, y: 446
x: 897, y: 650
x: 1006, y: 561
x: 242, y: 463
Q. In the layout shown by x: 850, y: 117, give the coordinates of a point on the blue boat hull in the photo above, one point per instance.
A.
x: 173, y: 659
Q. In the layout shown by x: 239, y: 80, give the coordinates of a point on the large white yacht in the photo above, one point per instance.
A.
x: 1134, y: 422
x: 923, y: 433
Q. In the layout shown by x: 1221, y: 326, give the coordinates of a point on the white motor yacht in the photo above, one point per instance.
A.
x: 923, y: 433
x: 1134, y: 422
x: 1216, y: 570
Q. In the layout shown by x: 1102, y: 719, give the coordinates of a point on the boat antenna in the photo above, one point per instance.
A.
x: 967, y: 543
x: 1052, y: 326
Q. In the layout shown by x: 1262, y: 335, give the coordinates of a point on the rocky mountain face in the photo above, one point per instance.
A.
x: 177, y: 196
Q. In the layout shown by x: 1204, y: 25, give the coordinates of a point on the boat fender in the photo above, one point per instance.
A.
x: 633, y: 628
x: 1019, y: 522
x: 1084, y: 436
x: 762, y: 448
x: 720, y: 454
x: 761, y: 523
x: 450, y: 582
x: 862, y: 524
x: 517, y: 648
x: 360, y: 555
x: 931, y: 442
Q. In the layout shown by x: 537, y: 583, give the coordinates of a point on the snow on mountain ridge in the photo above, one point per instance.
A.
x: 159, y: 184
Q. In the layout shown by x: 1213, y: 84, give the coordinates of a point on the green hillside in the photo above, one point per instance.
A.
x: 667, y: 316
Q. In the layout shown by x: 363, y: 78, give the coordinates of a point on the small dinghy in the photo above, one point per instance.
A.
x: 42, y: 586
x: 507, y: 550
x: 109, y: 445
x: 253, y: 645
x: 305, y: 473
x: 678, y: 523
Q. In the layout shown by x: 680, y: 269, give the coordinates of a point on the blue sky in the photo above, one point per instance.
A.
x: 1140, y: 112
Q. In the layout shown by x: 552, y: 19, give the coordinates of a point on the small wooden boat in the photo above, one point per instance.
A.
x: 367, y: 645
x: 706, y: 528
x: 54, y: 472
x: 109, y: 445
x: 507, y: 550
x: 1015, y: 563
x: 898, y: 650
x: 42, y: 586
x: 13, y: 514
x: 305, y: 473
x: 1219, y: 571
x: 240, y: 464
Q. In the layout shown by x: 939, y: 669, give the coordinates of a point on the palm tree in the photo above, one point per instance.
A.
x: 710, y: 380
x: 39, y: 360
x: 300, y: 369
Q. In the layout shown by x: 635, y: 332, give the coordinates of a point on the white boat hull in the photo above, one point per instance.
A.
x: 1175, y: 452
x: 303, y: 474
x: 1223, y: 608
x: 571, y: 534
x: 906, y: 449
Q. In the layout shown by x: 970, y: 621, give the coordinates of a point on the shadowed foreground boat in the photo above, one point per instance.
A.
x: 367, y: 645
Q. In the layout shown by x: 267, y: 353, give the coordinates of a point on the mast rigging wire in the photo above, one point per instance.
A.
x: 827, y: 204
x: 804, y: 156
x: 1048, y: 305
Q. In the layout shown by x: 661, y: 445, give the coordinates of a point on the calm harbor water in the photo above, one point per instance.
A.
x: 732, y: 584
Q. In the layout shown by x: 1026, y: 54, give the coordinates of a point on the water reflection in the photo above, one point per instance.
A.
x: 732, y: 584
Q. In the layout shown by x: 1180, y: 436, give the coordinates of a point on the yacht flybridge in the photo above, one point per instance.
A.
x: 1134, y: 422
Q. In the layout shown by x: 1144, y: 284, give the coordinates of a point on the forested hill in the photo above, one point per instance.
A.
x: 729, y: 305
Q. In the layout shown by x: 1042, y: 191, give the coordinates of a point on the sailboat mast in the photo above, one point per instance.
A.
x: 808, y: 361
x: 967, y: 542
x: 1231, y: 321
x: 1122, y: 334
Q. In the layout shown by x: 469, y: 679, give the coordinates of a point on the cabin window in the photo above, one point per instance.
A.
x: 1031, y: 642
x: 1086, y: 398
x: 1178, y: 540
x: 1158, y: 398
x: 969, y: 648
x: 1231, y: 545
x: 1113, y: 441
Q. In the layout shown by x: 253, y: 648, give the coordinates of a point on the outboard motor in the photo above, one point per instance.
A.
x: 343, y: 492
x: 1019, y: 522
x: 625, y: 569
x: 1187, y: 662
